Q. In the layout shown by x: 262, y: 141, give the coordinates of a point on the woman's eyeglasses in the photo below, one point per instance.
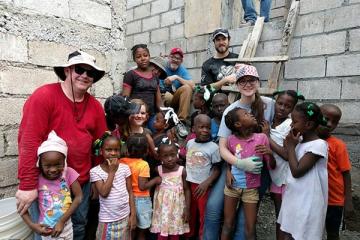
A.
x: 80, y: 70
x: 243, y: 83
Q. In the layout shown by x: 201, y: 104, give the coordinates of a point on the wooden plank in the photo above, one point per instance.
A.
x: 255, y: 37
x: 244, y: 46
x: 274, y: 79
x: 259, y: 59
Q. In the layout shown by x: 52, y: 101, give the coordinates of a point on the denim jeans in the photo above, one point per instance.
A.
x: 215, y: 212
x: 250, y: 13
x: 79, y: 217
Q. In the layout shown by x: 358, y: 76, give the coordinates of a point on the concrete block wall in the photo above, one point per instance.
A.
x: 37, y: 35
x: 324, y: 52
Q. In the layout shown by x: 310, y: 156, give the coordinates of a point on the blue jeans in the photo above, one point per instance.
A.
x: 79, y: 217
x: 215, y: 212
x: 250, y: 13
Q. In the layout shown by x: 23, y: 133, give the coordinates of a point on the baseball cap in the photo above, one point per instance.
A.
x: 177, y: 51
x: 220, y: 31
x: 245, y: 70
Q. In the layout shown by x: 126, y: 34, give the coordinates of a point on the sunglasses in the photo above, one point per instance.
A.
x: 243, y: 83
x: 80, y: 70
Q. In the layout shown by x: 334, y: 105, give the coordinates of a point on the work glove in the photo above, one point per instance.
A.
x: 251, y: 164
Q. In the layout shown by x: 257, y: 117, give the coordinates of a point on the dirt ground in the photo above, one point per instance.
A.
x: 266, y: 219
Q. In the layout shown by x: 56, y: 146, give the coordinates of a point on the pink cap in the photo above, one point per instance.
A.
x: 245, y: 70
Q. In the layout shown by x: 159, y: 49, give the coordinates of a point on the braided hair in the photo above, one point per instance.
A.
x: 99, y: 143
x: 168, y: 142
x: 312, y: 113
x: 295, y: 95
x: 231, y: 118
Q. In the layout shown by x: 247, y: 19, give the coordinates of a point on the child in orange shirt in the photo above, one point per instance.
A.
x: 340, y: 197
x: 137, y: 146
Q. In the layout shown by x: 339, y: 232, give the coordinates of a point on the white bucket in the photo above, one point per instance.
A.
x: 11, y: 224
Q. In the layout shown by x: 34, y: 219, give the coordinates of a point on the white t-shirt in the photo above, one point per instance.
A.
x: 278, y: 134
x: 199, y: 160
x: 116, y: 205
x: 304, y: 203
x: 269, y: 109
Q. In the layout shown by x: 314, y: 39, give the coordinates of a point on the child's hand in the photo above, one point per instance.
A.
x: 201, y: 189
x: 265, y: 127
x: 41, y: 229
x: 292, y: 139
x: 263, y: 150
x: 229, y: 178
x: 113, y: 164
x: 349, y: 212
x: 57, y: 229
x: 186, y: 215
x: 132, y: 221
x: 158, y: 180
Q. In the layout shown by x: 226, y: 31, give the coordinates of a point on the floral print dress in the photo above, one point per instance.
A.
x: 169, y: 205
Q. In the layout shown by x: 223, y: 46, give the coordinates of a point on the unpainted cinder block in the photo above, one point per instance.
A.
x: 14, y: 108
x: 177, y: 31
x: 307, y: 6
x: 13, y: 48
x: 39, y: 53
x: 320, y: 89
x: 30, y: 79
x: 151, y: 23
x: 343, y: 65
x: 59, y: 8
x: 142, y: 11
x: 342, y: 18
x: 159, y: 6
x: 171, y: 17
x: 85, y: 10
x: 323, y: 44
x: 159, y: 35
x: 350, y: 88
x: 305, y: 68
x: 310, y: 24
x: 133, y: 27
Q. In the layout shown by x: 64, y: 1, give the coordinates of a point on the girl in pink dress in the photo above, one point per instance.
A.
x: 172, y: 197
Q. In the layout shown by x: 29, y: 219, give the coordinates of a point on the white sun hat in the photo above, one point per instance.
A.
x: 79, y: 57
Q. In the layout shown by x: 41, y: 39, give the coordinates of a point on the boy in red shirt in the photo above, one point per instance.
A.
x: 340, y: 197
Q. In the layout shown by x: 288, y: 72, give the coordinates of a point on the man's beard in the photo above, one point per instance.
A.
x: 174, y: 66
x: 220, y: 49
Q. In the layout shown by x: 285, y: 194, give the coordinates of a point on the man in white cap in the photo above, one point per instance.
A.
x: 215, y: 71
x: 76, y: 116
